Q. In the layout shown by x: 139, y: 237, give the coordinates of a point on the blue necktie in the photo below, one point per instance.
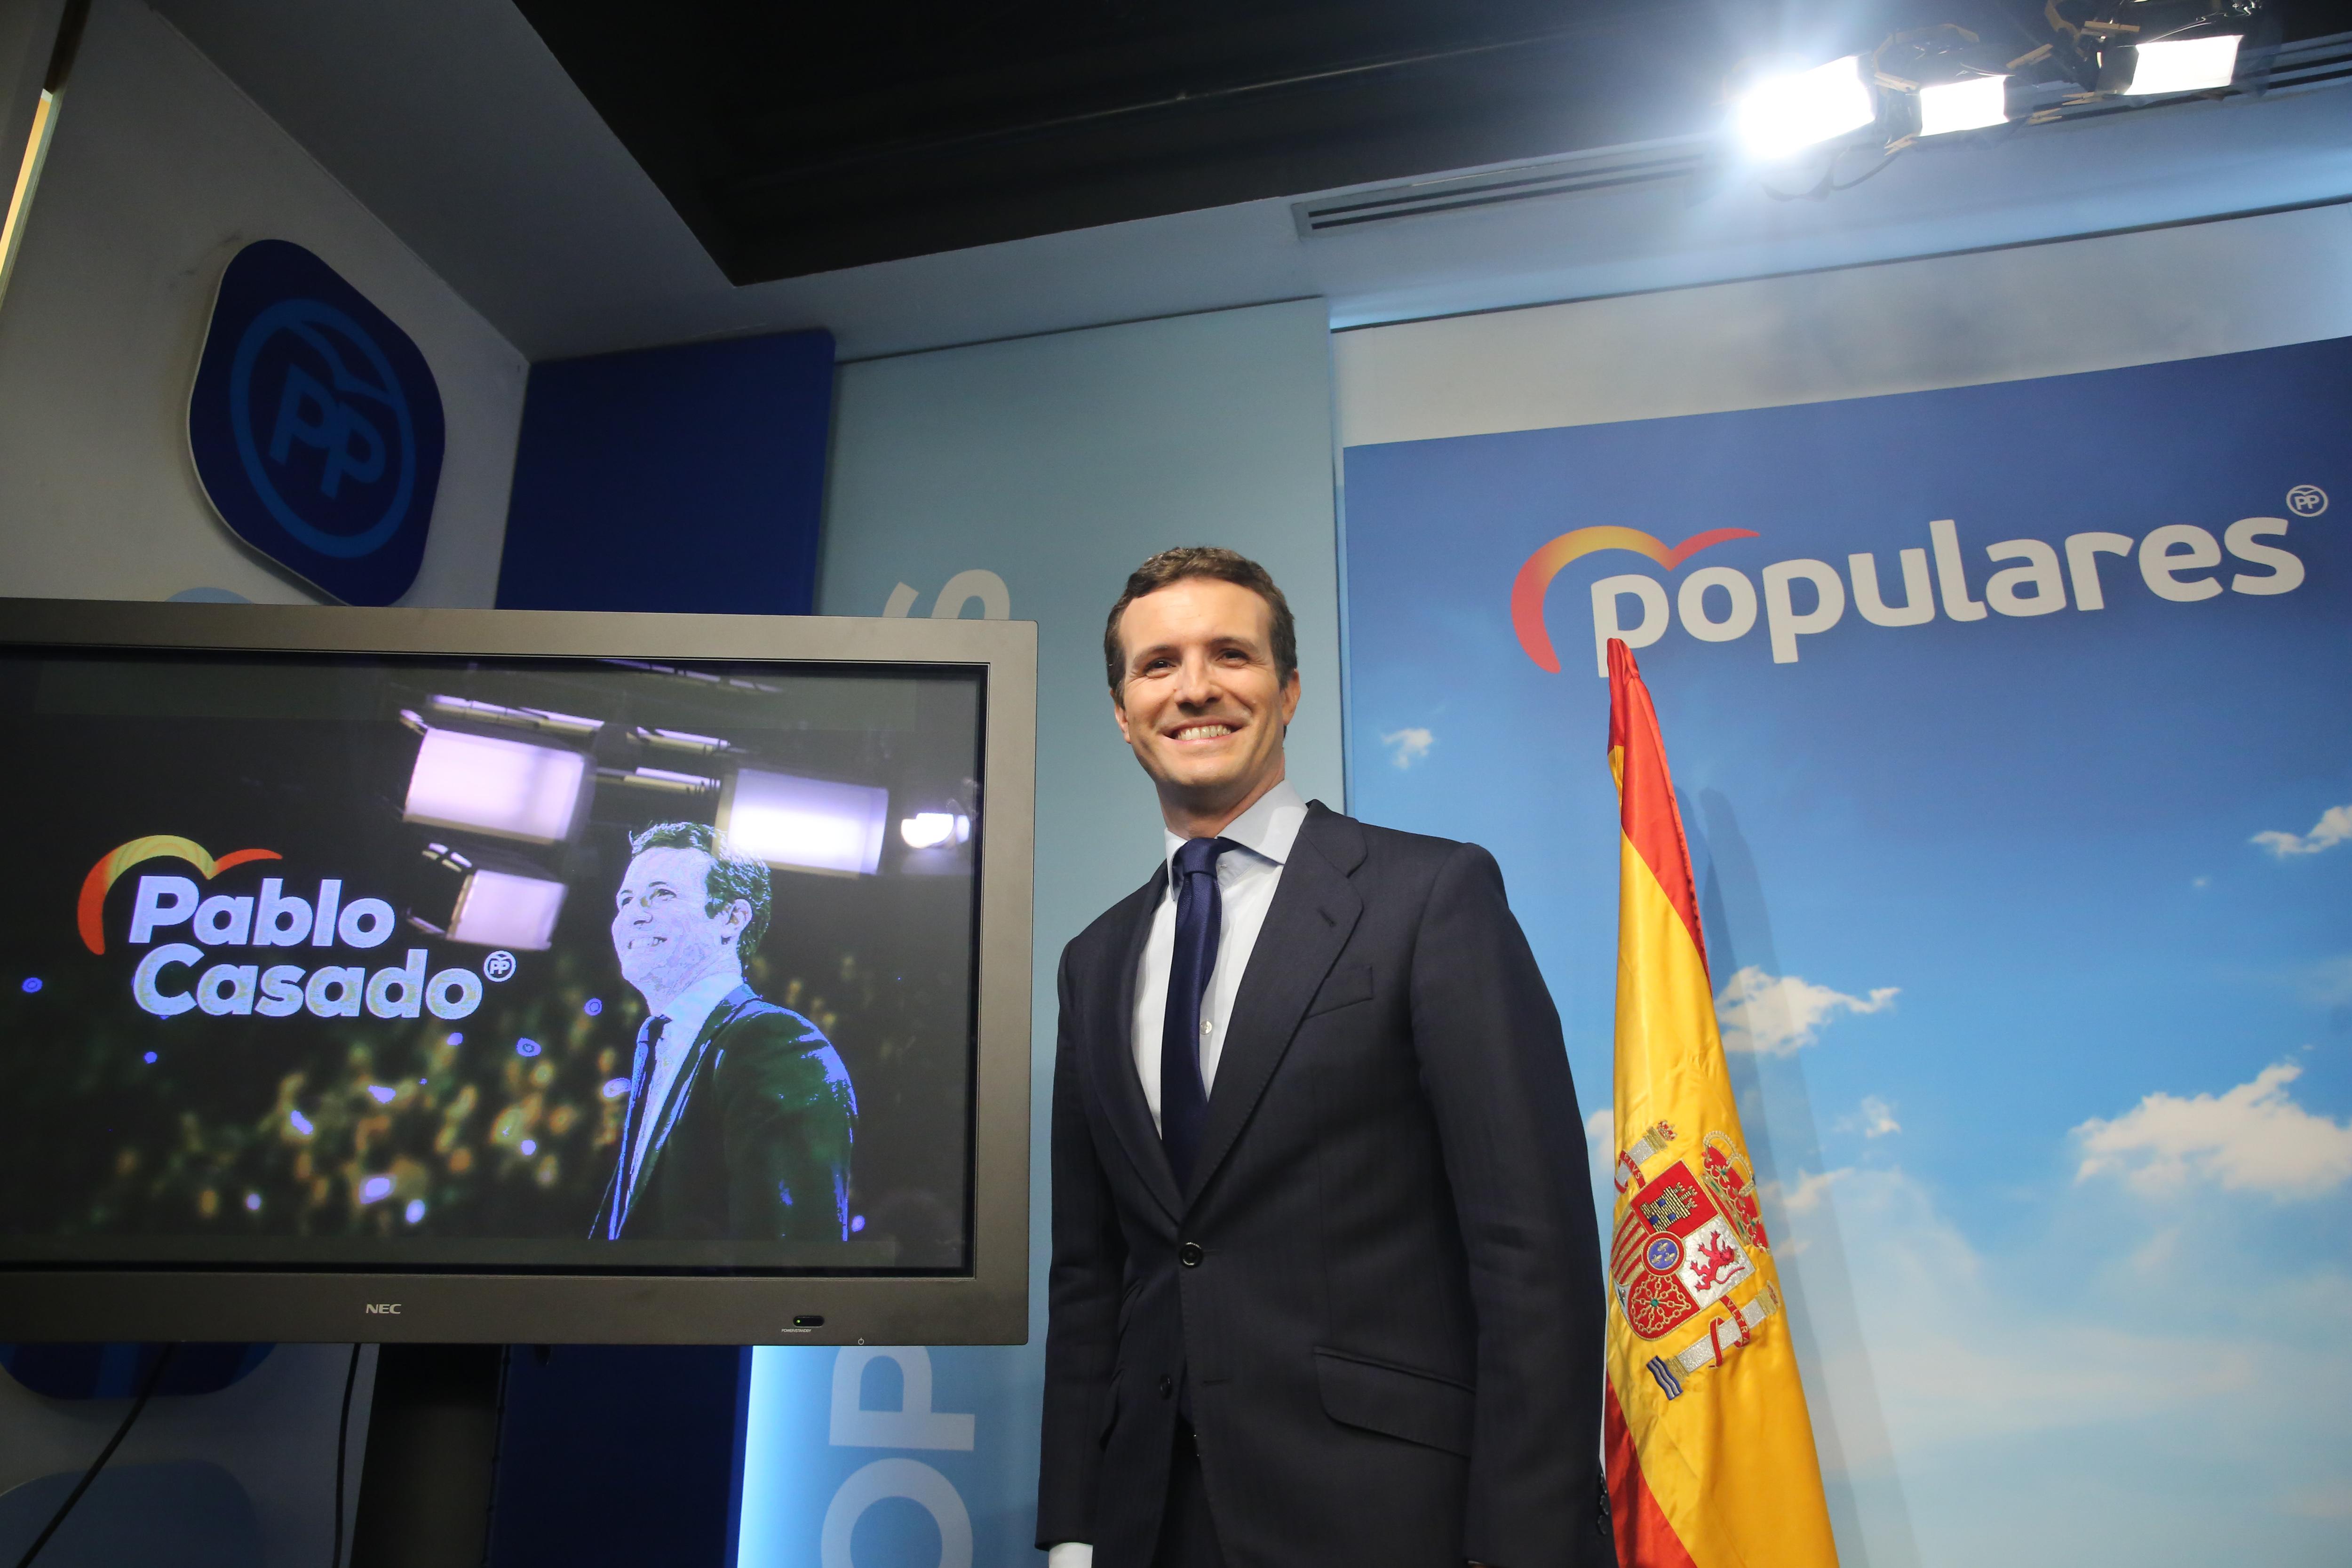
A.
x: 1183, y: 1099
x: 632, y: 1120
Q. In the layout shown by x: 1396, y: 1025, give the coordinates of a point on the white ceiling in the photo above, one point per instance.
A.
x: 450, y: 119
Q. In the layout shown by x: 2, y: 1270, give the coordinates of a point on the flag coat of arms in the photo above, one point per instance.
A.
x: 1711, y: 1461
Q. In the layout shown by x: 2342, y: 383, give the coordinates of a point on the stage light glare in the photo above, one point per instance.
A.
x: 1785, y: 114
x: 926, y: 829
x: 1970, y: 104
x: 2182, y: 65
x: 805, y: 824
x: 510, y: 788
x: 500, y: 909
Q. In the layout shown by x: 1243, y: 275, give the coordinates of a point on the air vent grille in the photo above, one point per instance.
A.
x: 1618, y: 167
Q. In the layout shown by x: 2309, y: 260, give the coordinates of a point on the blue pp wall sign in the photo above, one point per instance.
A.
x: 315, y: 424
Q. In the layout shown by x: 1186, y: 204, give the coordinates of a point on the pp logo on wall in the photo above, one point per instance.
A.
x: 316, y: 426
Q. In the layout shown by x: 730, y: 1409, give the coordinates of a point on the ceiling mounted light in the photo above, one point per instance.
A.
x: 928, y: 829
x: 512, y: 789
x: 2170, y: 65
x: 500, y: 909
x: 1970, y: 104
x: 1783, y: 114
x: 803, y: 824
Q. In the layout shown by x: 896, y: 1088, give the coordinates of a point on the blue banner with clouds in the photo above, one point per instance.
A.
x: 2009, y: 724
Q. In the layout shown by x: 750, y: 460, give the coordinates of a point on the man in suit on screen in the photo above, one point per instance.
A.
x: 741, y: 1114
x: 1325, y: 1281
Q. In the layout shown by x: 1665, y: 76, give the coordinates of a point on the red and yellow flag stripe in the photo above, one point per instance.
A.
x: 1710, y: 1448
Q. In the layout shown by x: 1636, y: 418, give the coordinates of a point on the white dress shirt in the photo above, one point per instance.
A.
x: 687, y: 1012
x: 1246, y: 878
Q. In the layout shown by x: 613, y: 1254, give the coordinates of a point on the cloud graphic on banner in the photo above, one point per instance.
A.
x: 1778, y: 1016
x: 1601, y: 1146
x: 2254, y: 1138
x: 1980, y: 1369
x: 2334, y: 827
x: 1875, y: 1118
x: 1964, y: 1352
x: 1407, y: 747
x: 1806, y: 1196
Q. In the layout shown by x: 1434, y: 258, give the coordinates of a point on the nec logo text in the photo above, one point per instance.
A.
x: 383, y: 1308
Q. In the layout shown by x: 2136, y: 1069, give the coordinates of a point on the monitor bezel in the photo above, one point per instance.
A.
x: 988, y: 1305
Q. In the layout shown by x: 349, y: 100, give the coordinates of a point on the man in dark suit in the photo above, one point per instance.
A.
x: 1326, y: 1283
x: 741, y: 1114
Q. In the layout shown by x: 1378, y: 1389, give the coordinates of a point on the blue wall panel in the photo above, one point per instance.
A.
x: 689, y: 478
x: 685, y: 478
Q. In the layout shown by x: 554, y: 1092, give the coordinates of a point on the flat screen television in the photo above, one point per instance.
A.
x: 501, y: 977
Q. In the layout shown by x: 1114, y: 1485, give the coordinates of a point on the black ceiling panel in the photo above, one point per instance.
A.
x: 796, y: 139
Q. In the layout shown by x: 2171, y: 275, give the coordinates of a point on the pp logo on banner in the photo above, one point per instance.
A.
x: 316, y: 426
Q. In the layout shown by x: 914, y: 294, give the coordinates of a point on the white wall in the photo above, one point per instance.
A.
x: 160, y: 171
x: 1955, y: 320
x: 1058, y: 464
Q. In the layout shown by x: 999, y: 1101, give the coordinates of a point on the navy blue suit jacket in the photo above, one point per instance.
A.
x: 1382, y: 1286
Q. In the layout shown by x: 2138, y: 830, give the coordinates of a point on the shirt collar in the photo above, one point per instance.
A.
x: 692, y: 1007
x: 1268, y: 829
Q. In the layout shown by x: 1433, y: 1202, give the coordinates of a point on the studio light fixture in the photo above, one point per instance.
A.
x: 510, y: 789
x: 511, y: 904
x: 2159, y: 66
x: 2150, y: 48
x: 569, y: 725
x: 501, y: 908
x: 805, y: 824
x: 935, y: 829
x: 926, y: 829
x: 1970, y: 104
x: 1940, y: 79
x: 1786, y: 113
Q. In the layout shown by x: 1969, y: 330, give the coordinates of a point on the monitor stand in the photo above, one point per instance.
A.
x: 432, y: 1455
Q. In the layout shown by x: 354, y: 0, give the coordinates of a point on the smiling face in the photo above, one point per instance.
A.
x: 1199, y: 700
x: 662, y: 935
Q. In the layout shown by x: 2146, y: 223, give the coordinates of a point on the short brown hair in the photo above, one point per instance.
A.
x: 1173, y: 566
x: 730, y: 877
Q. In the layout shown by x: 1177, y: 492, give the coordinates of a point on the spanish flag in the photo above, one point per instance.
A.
x: 1711, y: 1459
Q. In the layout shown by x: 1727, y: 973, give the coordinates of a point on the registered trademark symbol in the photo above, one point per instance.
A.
x: 2306, y: 500
x: 499, y: 965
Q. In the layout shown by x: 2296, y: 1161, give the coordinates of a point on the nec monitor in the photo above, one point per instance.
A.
x: 460, y: 976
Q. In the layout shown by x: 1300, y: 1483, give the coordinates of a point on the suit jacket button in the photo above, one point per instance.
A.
x: 1190, y: 1255
x: 1167, y: 1388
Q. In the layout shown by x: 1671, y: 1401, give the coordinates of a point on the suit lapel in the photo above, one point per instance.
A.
x: 1314, y: 912
x: 664, y: 1116
x: 1113, y: 1039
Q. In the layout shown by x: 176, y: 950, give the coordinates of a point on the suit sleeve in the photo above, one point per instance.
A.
x: 790, y: 1117
x: 1082, y: 1293
x: 1495, y: 1071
